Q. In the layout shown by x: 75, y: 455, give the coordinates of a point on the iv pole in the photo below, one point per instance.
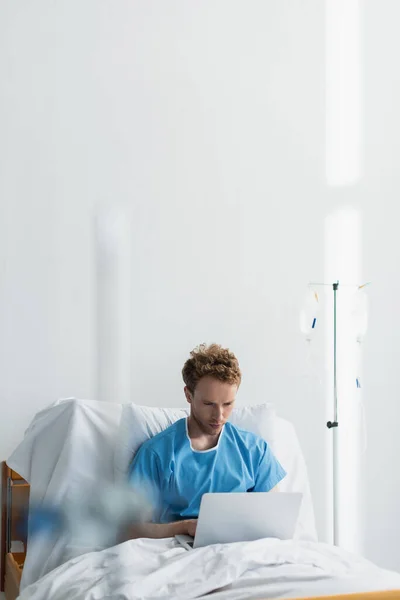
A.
x: 334, y: 426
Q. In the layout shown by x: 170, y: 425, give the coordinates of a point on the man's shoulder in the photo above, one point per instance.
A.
x: 248, y: 437
x: 164, y: 437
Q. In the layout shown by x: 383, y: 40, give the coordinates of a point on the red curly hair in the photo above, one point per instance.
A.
x: 214, y: 361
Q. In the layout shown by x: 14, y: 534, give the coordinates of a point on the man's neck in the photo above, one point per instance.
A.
x: 199, y: 439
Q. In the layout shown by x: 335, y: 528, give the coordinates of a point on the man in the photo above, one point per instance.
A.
x: 203, y: 453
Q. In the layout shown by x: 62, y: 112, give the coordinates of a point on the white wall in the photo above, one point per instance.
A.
x: 207, y: 119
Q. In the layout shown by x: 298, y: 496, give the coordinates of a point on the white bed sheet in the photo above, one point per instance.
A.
x: 67, y: 451
x: 149, y: 569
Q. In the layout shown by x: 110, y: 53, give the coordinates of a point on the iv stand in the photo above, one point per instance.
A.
x: 334, y: 426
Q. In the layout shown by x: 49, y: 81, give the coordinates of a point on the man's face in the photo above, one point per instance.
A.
x: 211, y: 404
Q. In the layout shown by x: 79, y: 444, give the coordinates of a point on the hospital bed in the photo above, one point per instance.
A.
x: 73, y: 446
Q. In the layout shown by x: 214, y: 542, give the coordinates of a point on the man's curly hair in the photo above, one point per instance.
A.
x: 214, y: 361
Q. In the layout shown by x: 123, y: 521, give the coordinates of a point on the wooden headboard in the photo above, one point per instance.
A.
x: 14, y: 516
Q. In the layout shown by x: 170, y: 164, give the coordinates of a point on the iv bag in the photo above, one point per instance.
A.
x: 359, y: 314
x: 309, y: 313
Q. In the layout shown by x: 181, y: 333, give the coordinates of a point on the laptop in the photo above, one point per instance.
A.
x: 244, y: 517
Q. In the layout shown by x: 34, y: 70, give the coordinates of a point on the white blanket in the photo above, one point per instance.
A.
x: 146, y: 569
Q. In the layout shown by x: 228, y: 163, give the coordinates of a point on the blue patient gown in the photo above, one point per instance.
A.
x: 175, y: 476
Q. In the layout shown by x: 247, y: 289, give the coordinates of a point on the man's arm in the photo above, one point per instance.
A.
x: 145, y: 476
x: 269, y: 473
x: 160, y: 530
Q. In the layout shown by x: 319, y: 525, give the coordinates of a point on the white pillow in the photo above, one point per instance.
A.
x: 140, y: 423
x: 286, y: 447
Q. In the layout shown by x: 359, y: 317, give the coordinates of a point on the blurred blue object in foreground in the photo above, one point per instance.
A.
x: 92, y: 518
x: 44, y: 518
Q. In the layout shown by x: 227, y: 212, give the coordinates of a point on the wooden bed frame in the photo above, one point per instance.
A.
x: 15, y: 503
x: 14, y: 513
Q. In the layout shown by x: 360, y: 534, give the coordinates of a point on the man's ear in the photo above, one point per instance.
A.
x: 188, y: 394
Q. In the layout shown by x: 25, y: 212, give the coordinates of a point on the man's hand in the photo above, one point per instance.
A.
x: 191, y: 525
x: 160, y: 530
